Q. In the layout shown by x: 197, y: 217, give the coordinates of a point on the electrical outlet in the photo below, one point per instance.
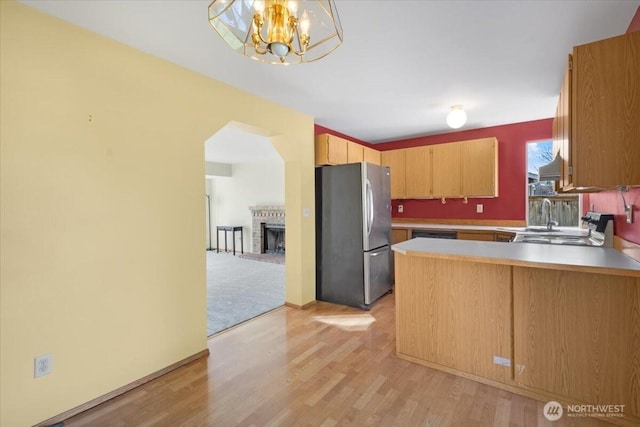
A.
x: 629, y: 211
x: 42, y: 365
x: 479, y: 208
x: 502, y: 361
x: 400, y: 208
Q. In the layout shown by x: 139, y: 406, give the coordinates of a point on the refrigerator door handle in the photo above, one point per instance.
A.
x: 380, y: 252
x: 370, y: 213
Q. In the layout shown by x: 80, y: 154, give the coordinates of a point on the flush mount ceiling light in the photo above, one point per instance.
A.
x: 456, y: 117
x: 278, y: 31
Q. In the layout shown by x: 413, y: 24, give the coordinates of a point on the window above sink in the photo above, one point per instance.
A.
x: 564, y: 209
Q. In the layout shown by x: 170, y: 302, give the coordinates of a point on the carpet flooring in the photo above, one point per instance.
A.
x: 275, y: 258
x: 240, y: 289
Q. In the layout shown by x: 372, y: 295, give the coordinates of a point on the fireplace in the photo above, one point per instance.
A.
x: 268, y: 229
x: 273, y: 238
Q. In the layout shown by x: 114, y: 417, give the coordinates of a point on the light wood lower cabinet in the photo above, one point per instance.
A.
x: 445, y: 318
x: 487, y: 236
x: 400, y: 235
x: 578, y: 334
x: 569, y: 336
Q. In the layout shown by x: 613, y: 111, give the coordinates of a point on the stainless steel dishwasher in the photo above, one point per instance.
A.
x: 434, y: 234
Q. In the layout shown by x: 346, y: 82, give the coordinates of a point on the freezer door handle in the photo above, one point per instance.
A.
x: 379, y: 253
x: 369, y: 203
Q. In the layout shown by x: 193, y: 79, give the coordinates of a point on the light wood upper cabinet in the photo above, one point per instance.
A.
x: 333, y: 150
x: 395, y: 159
x: 371, y: 155
x: 330, y: 150
x: 601, y: 127
x: 355, y: 152
x: 418, y: 172
x: 447, y: 171
x: 561, y: 129
x: 479, y: 159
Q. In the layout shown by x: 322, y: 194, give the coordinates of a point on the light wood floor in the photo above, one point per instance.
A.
x: 325, y: 366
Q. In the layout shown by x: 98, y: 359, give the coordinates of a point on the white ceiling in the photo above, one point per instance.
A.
x: 402, y: 65
x: 236, y: 143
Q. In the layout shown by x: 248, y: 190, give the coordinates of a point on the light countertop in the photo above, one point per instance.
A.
x: 417, y: 225
x: 572, y: 231
x: 556, y: 257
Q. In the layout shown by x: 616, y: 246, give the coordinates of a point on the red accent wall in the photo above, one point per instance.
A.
x: 635, y: 22
x: 512, y: 192
x: 511, y: 201
x: 611, y: 201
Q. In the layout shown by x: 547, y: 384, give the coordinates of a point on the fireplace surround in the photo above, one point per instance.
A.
x: 268, y: 226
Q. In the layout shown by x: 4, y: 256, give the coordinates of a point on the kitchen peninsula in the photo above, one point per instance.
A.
x: 552, y: 322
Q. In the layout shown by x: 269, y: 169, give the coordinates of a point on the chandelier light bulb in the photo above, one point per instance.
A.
x: 293, y: 7
x: 305, y: 23
x: 278, y: 31
x: 456, y: 117
x: 279, y: 49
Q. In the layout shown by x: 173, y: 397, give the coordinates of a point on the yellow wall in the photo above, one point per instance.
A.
x: 101, y: 185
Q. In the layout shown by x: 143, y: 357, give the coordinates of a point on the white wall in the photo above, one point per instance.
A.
x: 250, y: 184
x: 217, y: 169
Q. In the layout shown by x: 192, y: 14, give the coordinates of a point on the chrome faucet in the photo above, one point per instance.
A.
x: 550, y: 221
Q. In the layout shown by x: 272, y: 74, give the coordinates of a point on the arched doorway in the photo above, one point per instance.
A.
x: 243, y: 172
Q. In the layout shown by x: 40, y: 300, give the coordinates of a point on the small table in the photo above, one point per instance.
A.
x: 233, y: 229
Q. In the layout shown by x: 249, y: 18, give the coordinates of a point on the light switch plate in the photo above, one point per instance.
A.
x: 479, y: 208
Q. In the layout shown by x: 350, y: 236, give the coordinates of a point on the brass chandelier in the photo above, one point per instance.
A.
x: 278, y: 31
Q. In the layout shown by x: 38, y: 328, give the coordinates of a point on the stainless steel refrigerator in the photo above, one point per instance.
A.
x: 354, y: 263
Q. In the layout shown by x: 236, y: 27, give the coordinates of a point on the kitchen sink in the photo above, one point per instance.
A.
x: 554, y: 240
x: 540, y: 230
